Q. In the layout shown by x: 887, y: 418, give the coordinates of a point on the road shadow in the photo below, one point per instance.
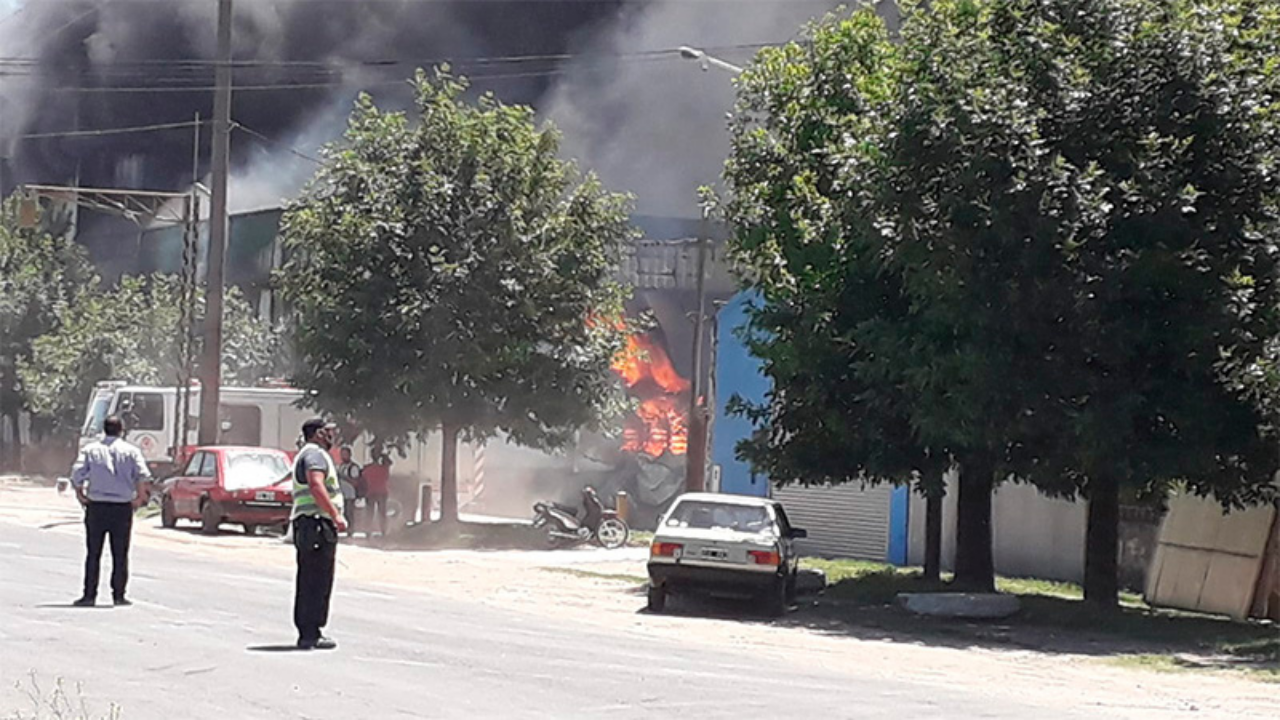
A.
x: 61, y: 523
x: 197, y: 531
x: 736, y: 609
x: 865, y: 608
x: 291, y: 647
x: 73, y: 606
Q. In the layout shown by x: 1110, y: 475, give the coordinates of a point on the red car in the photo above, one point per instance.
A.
x: 251, y: 486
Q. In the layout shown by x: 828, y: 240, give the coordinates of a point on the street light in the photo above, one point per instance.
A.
x: 696, y: 460
x: 708, y: 61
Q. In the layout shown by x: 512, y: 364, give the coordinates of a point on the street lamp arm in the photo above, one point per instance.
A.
x: 708, y: 61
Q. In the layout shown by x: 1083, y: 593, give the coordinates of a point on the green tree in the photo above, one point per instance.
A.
x: 1063, y: 220
x: 39, y: 273
x: 1165, y: 114
x: 129, y: 332
x: 451, y: 273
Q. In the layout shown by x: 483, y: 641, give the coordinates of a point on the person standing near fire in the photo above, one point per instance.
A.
x: 317, y: 520
x: 377, y: 479
x: 351, y: 477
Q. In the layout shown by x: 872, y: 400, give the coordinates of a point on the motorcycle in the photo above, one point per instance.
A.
x: 564, y: 527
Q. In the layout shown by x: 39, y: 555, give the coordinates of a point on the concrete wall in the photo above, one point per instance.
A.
x: 1033, y: 535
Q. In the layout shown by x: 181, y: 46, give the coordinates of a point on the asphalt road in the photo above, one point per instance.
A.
x: 211, y: 639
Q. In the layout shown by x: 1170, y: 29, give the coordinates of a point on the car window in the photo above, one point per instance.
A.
x: 784, y: 523
x: 208, y: 468
x: 250, y: 469
x: 193, y: 467
x: 142, y: 411
x: 711, y: 515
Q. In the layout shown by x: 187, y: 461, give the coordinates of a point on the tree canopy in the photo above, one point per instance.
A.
x: 129, y: 332
x: 449, y: 271
x: 1038, y: 236
x: 39, y: 274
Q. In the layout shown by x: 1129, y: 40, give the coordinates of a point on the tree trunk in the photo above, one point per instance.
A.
x: 1102, y: 543
x: 449, y: 474
x: 975, y: 568
x: 10, y: 409
x: 933, y: 536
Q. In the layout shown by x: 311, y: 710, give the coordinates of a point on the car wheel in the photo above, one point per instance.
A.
x: 612, y: 533
x: 168, y: 515
x: 657, y: 598
x: 777, y: 602
x: 209, y: 519
x: 250, y: 529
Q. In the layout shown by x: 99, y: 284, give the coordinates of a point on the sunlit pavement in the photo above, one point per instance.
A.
x: 210, y: 638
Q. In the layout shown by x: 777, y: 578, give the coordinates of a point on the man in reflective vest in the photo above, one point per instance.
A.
x: 317, y: 521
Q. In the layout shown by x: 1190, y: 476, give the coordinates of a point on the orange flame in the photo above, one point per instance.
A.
x: 644, y: 360
x: 659, y: 425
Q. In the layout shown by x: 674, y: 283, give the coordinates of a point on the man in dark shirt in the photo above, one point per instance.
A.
x: 317, y: 520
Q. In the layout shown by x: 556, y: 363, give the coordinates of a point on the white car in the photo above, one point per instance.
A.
x: 725, y: 545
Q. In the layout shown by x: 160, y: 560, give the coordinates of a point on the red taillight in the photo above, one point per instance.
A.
x: 765, y: 557
x: 663, y: 549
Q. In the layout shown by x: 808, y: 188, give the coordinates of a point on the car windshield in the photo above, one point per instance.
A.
x: 246, y: 470
x: 712, y: 516
x: 97, y: 414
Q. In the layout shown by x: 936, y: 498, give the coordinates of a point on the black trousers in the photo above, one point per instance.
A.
x: 316, y: 540
x: 104, y: 520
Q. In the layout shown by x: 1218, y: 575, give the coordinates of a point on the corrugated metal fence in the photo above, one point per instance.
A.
x: 842, y: 520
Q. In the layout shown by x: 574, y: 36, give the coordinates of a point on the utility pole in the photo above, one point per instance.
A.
x: 699, y: 416
x: 6, y: 179
x: 211, y: 359
x: 696, y: 459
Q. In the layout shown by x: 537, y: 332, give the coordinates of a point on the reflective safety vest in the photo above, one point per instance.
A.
x: 304, y: 503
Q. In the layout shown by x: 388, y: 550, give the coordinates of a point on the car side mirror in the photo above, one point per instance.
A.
x: 799, y: 533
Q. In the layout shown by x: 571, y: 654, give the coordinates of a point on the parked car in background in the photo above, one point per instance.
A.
x: 249, y: 486
x: 724, y: 545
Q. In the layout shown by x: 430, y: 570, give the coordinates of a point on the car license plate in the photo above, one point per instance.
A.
x: 714, y: 554
x: 266, y: 495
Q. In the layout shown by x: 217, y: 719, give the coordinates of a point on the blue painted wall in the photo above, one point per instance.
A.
x: 737, y: 373
x: 899, y: 522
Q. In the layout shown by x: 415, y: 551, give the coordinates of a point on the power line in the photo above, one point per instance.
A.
x: 279, y: 87
x: 13, y: 14
x: 111, y: 131
x: 200, y: 63
x: 58, y: 30
x: 270, y: 141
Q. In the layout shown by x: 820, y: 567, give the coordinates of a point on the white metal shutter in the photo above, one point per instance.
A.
x: 842, y: 520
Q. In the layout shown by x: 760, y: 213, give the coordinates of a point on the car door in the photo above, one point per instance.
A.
x: 206, y: 481
x: 786, y: 537
x: 180, y: 487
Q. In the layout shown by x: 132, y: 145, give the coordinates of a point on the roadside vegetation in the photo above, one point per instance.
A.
x: 58, y: 701
x: 1054, y: 618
